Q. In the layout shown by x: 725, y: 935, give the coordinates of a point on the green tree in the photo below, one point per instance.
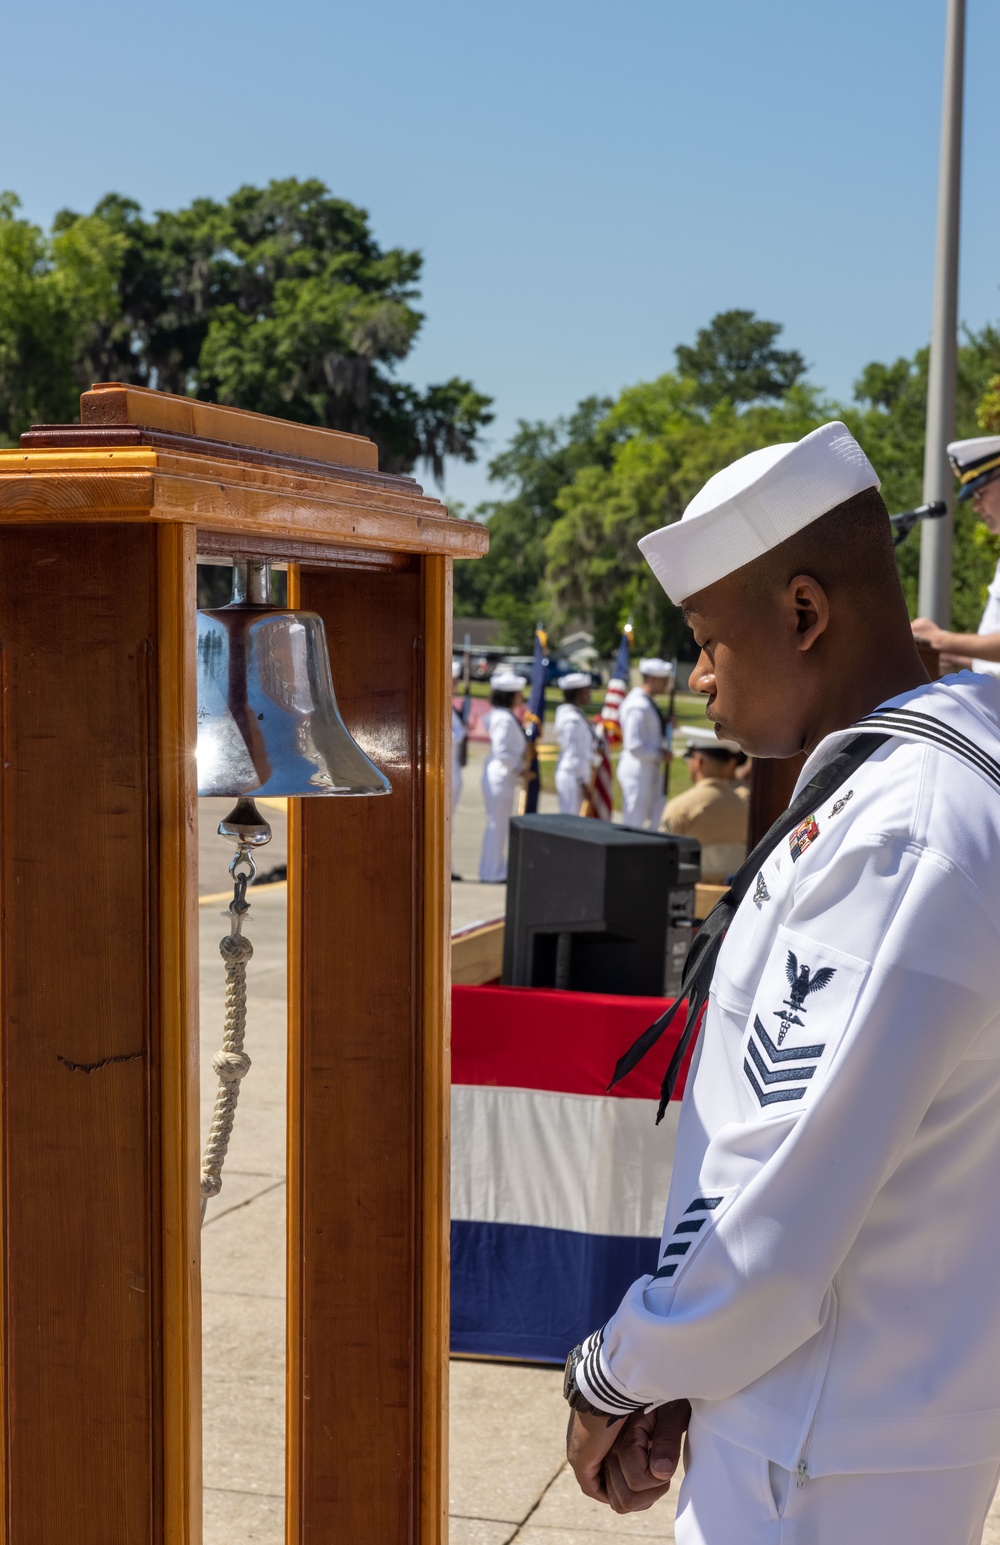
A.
x: 889, y: 417
x: 57, y: 293
x: 650, y: 451
x: 734, y: 357
x: 509, y: 583
x: 666, y: 447
x: 277, y: 299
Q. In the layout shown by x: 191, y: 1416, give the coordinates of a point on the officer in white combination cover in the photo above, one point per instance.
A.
x: 644, y: 744
x: 976, y: 464
x: 577, y: 742
x: 824, y: 1316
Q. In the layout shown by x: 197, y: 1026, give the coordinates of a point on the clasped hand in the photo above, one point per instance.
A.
x: 630, y: 1464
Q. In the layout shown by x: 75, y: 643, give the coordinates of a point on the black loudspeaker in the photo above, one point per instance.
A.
x: 593, y: 907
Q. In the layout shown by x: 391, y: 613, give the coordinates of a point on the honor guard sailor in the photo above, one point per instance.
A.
x: 644, y: 746
x: 824, y: 1306
x: 976, y: 464
x: 501, y: 771
x: 577, y: 739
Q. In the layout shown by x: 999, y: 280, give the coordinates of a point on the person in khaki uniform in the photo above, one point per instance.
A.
x: 715, y: 809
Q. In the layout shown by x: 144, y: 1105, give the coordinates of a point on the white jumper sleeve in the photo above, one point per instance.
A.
x: 507, y: 742
x: 577, y: 743
x: 908, y: 949
x: 642, y: 733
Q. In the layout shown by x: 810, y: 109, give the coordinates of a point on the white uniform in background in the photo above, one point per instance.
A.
x: 458, y: 738
x: 501, y: 780
x: 577, y: 752
x: 976, y: 462
x: 640, y: 766
x: 827, y: 1290
x: 990, y: 624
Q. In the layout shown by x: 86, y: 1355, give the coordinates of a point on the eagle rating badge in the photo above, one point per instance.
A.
x: 802, y: 980
x: 807, y: 831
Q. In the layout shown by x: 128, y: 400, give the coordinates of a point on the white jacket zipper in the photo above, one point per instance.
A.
x: 802, y: 1468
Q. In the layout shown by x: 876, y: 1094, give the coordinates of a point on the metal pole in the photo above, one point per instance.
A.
x: 936, y: 536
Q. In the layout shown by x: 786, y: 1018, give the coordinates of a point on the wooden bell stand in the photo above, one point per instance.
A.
x: 100, y: 528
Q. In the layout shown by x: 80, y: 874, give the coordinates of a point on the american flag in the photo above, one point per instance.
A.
x: 600, y: 801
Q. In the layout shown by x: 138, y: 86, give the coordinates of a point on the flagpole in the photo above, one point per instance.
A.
x: 936, y: 537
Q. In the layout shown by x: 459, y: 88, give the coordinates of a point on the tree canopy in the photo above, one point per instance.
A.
x: 583, y: 490
x: 278, y: 299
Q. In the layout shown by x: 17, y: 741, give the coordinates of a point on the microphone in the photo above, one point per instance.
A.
x: 904, y: 523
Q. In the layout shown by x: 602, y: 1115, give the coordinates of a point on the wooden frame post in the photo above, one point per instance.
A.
x: 100, y: 1398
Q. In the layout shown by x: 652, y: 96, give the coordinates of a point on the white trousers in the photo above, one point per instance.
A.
x: 499, y: 791
x: 641, y: 784
x: 456, y: 781
x: 569, y: 787
x: 731, y: 1497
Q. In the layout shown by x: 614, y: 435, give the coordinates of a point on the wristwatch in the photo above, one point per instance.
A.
x: 572, y: 1392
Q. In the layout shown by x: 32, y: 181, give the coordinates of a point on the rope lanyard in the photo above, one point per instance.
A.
x: 231, y: 1063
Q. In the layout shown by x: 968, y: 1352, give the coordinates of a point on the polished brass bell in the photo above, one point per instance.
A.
x: 268, y: 721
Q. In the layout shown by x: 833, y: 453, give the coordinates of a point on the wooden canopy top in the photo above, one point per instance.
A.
x: 140, y: 455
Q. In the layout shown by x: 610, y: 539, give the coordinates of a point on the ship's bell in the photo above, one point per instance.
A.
x: 268, y: 721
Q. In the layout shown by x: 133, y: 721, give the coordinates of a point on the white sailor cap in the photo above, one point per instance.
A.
x: 507, y: 681
x: 699, y: 739
x: 975, y: 462
x: 456, y: 669
x: 574, y: 681
x: 654, y: 667
x: 754, y: 505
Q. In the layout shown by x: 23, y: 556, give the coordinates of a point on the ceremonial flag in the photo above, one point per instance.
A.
x: 533, y: 717
x: 600, y: 798
x: 465, y: 713
x: 617, y: 689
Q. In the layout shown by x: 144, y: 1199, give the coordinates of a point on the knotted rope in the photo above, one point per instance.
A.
x: 231, y: 1064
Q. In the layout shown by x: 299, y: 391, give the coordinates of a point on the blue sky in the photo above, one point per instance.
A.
x: 589, y: 182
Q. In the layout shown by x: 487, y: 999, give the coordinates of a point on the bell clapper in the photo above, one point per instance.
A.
x: 248, y: 829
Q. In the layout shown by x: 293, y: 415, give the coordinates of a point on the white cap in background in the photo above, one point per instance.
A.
x: 707, y: 740
x: 507, y: 681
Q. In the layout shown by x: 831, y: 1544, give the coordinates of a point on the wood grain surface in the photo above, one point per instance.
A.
x: 433, y: 1156
x: 772, y: 780
x: 145, y: 484
x: 364, y: 1446
x: 177, y: 1063
x: 113, y: 402
x: 82, y: 1018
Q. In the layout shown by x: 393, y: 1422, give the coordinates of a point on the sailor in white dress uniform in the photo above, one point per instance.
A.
x: 459, y: 735
x: 641, y: 764
x: 825, y: 1293
x: 501, y: 772
x: 976, y: 464
x: 577, y: 742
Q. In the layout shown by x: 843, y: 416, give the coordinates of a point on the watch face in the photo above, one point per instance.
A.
x: 569, y: 1376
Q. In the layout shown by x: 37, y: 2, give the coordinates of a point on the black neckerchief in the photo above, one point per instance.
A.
x: 701, y: 957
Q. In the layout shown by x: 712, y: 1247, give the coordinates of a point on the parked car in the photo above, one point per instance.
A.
x: 555, y: 667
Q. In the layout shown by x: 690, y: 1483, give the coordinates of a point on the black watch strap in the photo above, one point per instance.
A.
x: 573, y: 1394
